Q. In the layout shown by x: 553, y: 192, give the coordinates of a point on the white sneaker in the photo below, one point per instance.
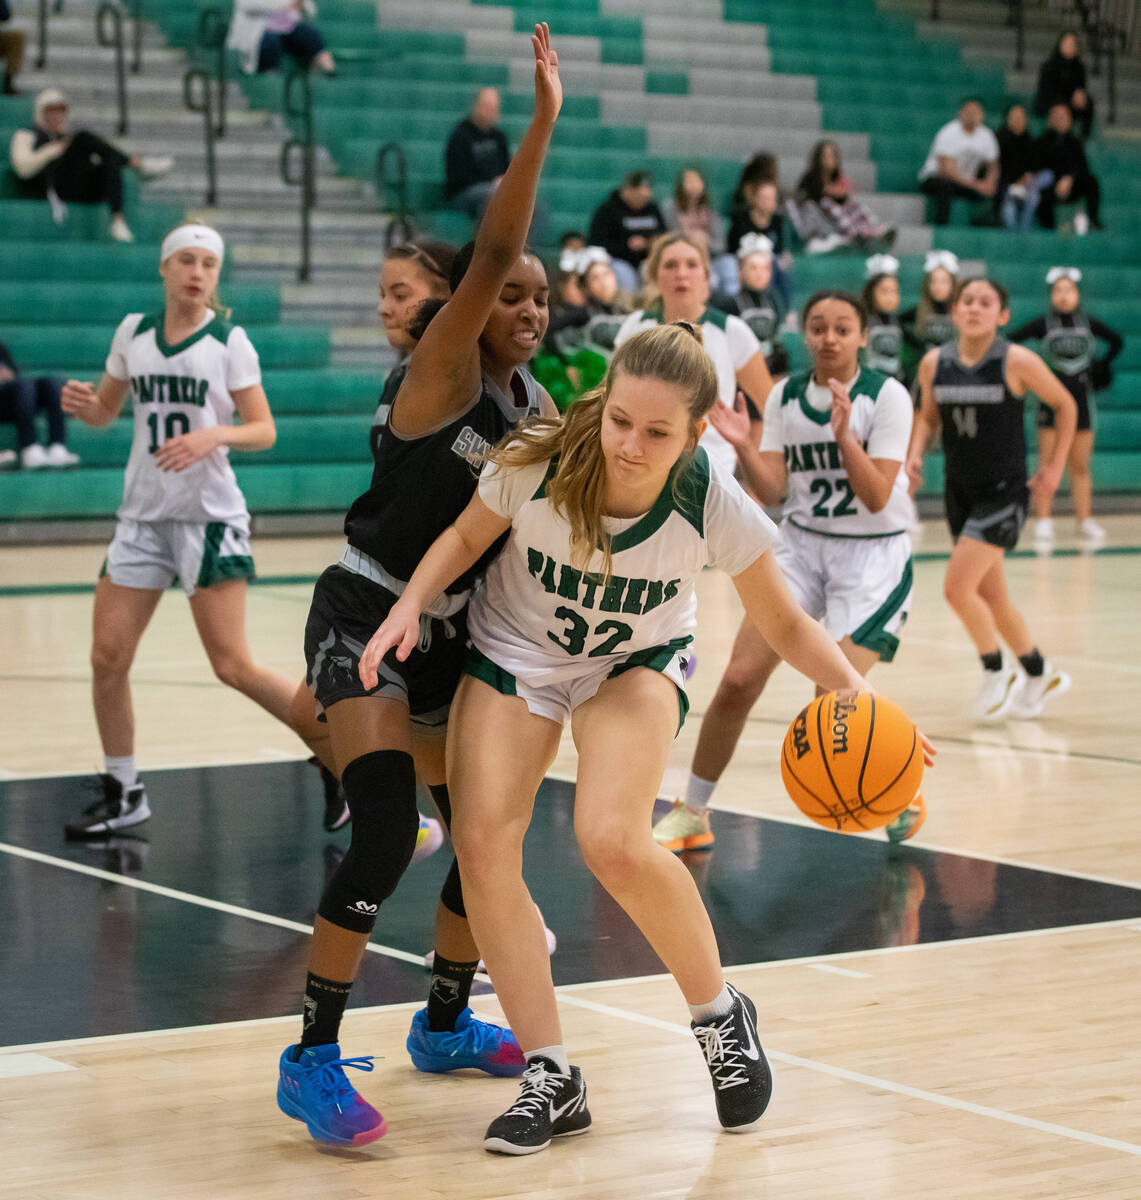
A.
x: 825, y: 244
x: 1044, y: 530
x: 59, y: 209
x: 996, y: 693
x: 120, y: 230
x: 33, y: 457
x: 1092, y: 531
x: 1081, y: 224
x: 1030, y: 697
x: 58, y: 455
x: 151, y: 166
x: 8, y: 459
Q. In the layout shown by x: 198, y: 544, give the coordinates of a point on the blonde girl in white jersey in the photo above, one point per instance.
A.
x: 183, y: 516
x: 586, y: 614
x: 834, y: 441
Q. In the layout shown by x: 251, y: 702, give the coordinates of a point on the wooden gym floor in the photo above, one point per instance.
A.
x: 954, y: 1018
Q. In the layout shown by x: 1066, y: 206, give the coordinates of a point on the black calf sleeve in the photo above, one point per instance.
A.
x: 451, y: 895
x: 380, y: 789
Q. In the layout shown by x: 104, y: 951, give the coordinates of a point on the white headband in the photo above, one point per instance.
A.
x: 1056, y: 273
x: 193, y: 237
x: 881, y: 264
x: 578, y: 262
x: 754, y: 243
x: 940, y: 258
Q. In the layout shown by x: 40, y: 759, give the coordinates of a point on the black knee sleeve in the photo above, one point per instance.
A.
x: 451, y: 895
x: 380, y: 789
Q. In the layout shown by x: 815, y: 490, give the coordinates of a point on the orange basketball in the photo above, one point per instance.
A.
x: 852, y: 761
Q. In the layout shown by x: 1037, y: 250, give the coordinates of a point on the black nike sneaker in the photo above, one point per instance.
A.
x: 336, y: 806
x: 550, y: 1105
x: 742, y: 1081
x: 117, y: 808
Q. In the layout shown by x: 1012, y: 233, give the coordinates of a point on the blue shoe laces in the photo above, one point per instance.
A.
x: 331, y: 1079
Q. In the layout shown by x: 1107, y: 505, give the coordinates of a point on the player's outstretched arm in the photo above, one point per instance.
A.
x: 444, y: 372
x: 452, y: 553
x: 927, y: 419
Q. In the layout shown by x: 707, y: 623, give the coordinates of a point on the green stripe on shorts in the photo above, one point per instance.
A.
x: 480, y: 667
x: 872, y: 634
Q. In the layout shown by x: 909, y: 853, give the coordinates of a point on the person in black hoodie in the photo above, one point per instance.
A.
x: 1062, y: 80
x: 476, y: 156
x: 1019, y: 178
x: 1060, y: 151
x: 625, y: 224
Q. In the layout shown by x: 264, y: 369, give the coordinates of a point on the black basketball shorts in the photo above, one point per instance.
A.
x: 346, y: 611
x: 994, y: 515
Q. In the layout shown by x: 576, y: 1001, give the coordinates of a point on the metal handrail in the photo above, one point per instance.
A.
x: 203, y: 104
x: 213, y: 26
x: 299, y: 108
x: 400, y: 229
x: 114, y: 10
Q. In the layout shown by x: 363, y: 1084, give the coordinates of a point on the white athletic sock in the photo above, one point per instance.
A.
x: 698, y: 792
x: 122, y: 769
x: 557, y: 1055
x: 719, y: 1006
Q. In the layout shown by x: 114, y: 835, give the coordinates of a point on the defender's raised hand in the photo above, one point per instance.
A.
x: 548, y: 85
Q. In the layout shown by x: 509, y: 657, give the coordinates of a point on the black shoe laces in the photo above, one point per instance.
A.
x: 722, y: 1053
x: 539, y: 1088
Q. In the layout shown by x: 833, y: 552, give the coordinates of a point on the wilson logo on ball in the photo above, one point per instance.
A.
x: 841, y: 711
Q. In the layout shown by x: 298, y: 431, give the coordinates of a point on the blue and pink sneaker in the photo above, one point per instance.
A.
x: 315, y: 1090
x: 474, y: 1043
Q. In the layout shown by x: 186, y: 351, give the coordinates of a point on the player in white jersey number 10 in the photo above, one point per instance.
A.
x: 183, y: 517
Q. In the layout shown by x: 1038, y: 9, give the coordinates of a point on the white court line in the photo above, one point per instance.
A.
x: 1074, y: 659
x: 157, y: 889
x: 872, y: 1081
x: 804, y: 823
x: 839, y: 970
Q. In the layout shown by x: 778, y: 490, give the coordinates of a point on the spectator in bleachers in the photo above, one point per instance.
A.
x: 678, y: 273
x: 760, y: 213
x: 689, y: 210
x: 20, y: 400
x: 11, y: 51
x: 587, y: 310
x: 625, y: 224
x: 1060, y: 151
x: 929, y: 323
x: 61, y: 165
x: 263, y: 33
x: 476, y: 156
x: 1020, y: 179
x: 824, y: 189
x: 962, y: 163
x: 758, y: 301
x: 1062, y: 80
x: 572, y: 239
x: 884, y: 348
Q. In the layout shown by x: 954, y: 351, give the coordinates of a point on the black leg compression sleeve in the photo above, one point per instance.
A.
x: 451, y: 895
x: 380, y: 789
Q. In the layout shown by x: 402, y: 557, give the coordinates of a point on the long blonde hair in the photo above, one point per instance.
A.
x: 658, y: 248
x: 673, y: 354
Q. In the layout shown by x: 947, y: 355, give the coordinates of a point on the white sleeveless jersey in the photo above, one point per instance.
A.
x: 545, y: 621
x: 730, y: 343
x: 176, y: 389
x: 798, y: 426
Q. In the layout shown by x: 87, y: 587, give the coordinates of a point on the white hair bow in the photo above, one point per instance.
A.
x: 881, y: 264
x: 941, y: 258
x: 1056, y: 273
x: 754, y: 243
x: 578, y: 262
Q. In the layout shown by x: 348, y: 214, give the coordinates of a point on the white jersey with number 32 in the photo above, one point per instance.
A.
x: 545, y: 621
